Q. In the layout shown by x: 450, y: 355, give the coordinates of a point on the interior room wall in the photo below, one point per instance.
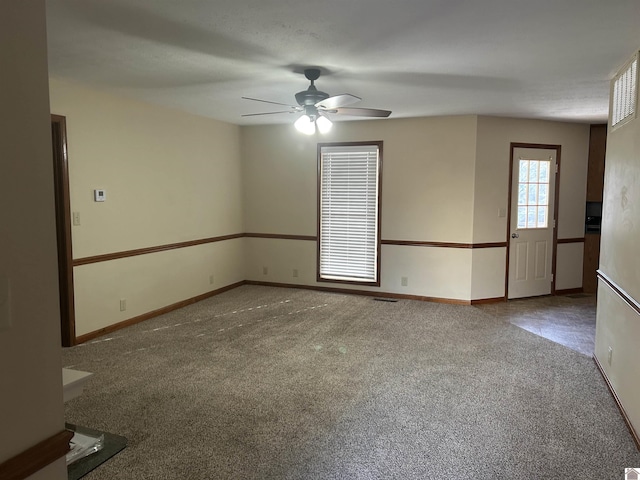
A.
x: 31, y: 409
x: 495, y: 134
x: 427, y: 196
x: 169, y: 178
x: 618, y: 321
x: 445, y: 179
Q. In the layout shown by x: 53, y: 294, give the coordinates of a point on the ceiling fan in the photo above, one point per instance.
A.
x: 315, y: 105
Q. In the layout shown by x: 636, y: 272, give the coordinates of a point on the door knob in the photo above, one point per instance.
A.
x: 515, y: 235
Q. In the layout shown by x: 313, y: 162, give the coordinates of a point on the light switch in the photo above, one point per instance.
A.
x: 5, y: 303
x: 76, y: 218
x: 502, y: 212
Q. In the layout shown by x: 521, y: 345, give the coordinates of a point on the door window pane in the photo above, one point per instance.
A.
x: 542, y: 215
x: 544, y: 172
x: 522, y: 217
x: 533, y: 170
x: 522, y: 194
x: 543, y: 193
x: 524, y: 171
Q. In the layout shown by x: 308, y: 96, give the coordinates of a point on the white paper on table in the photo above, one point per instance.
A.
x: 83, y: 445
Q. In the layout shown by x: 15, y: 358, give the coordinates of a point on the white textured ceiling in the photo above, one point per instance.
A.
x: 549, y: 59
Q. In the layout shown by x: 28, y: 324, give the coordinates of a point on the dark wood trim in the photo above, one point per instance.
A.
x: 484, y: 301
x: 160, y: 311
x: 569, y: 291
x: 508, y: 241
x: 571, y: 240
x: 379, y: 144
x: 556, y: 216
x: 556, y: 204
x: 281, y: 236
x: 348, y: 282
x: 37, y: 457
x: 420, y: 243
x: 623, y: 412
x: 628, y: 299
x: 489, y: 245
x: 379, y: 207
x: 366, y: 293
x: 318, y: 209
x: 596, y: 161
x: 63, y: 229
x: 541, y: 146
x: 409, y: 243
x: 160, y: 248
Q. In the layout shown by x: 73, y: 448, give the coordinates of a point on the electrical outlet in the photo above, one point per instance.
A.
x: 610, y: 356
x: 404, y: 281
x: 211, y: 279
x: 295, y: 273
x: 76, y: 218
x: 265, y: 271
x: 123, y: 304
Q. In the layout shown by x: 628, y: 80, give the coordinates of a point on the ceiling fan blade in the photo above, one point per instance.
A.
x: 268, y: 101
x: 362, y: 112
x: 338, y: 101
x: 266, y: 113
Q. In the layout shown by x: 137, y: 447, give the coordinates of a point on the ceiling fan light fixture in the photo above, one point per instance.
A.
x: 324, y: 124
x: 305, y: 125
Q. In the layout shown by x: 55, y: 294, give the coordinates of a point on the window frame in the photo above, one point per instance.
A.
x: 379, y: 145
x: 528, y: 183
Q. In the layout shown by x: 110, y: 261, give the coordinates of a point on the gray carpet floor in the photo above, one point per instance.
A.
x: 273, y: 383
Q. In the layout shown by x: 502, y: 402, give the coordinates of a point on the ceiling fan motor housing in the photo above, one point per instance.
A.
x: 310, y: 96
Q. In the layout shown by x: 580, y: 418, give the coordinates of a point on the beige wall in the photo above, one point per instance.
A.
x: 172, y: 177
x: 618, y: 324
x: 492, y: 191
x: 169, y: 177
x: 427, y: 195
x: 492, y: 172
x: 619, y: 257
x: 444, y: 180
x: 30, y: 366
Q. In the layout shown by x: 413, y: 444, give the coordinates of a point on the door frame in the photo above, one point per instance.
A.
x: 63, y: 229
x: 556, y: 202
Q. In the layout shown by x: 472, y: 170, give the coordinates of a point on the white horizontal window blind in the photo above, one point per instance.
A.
x: 349, y: 188
x: 624, y: 97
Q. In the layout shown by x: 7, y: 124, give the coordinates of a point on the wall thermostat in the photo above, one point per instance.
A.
x: 99, y: 195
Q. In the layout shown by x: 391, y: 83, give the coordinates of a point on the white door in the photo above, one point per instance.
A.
x: 532, y: 222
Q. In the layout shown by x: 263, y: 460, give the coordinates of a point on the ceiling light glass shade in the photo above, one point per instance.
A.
x: 305, y: 125
x: 324, y: 124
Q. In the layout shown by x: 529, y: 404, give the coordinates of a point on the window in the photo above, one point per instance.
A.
x: 349, y: 212
x: 533, y: 193
x: 624, y: 97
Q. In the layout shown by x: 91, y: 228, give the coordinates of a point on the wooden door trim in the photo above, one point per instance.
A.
x: 556, y: 202
x: 63, y: 230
